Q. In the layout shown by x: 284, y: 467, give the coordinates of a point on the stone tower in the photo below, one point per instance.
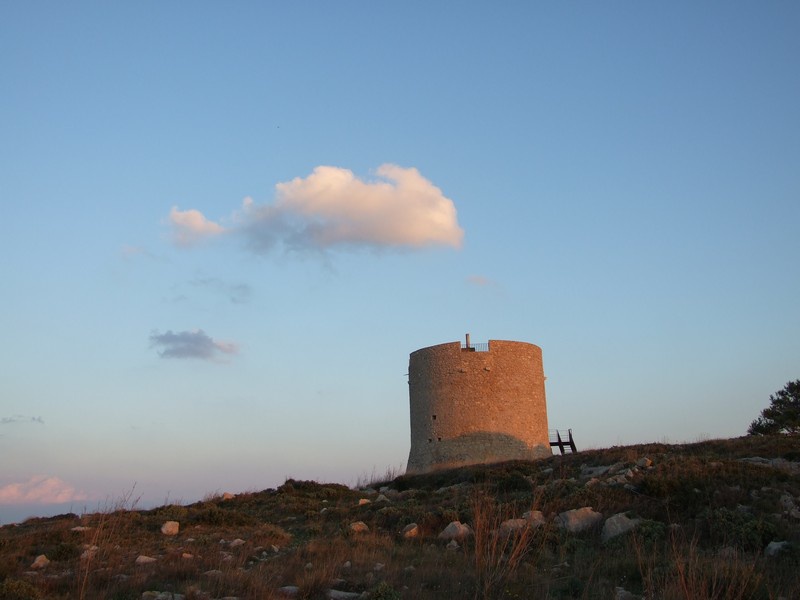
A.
x: 477, y: 403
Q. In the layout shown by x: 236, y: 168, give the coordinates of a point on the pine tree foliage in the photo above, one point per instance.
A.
x: 783, y: 413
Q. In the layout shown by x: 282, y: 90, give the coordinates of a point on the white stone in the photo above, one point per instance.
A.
x: 236, y: 543
x: 144, y: 560
x: 410, y: 531
x: 170, y: 528
x: 381, y: 498
x: 347, y: 564
x: 359, y: 527
x: 339, y: 595
x: 41, y: 562
x: 579, y: 519
x: 289, y: 590
x: 89, y: 552
x: 534, y: 517
x: 775, y: 548
x: 364, y: 501
x: 644, y: 462
x: 623, y: 594
x: 511, y: 526
x: 455, y: 531
x: 80, y: 528
x: 378, y: 567
x: 452, y: 545
x: 617, y: 525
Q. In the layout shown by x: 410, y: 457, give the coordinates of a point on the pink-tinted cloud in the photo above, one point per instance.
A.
x: 40, y: 490
x: 190, y: 227
x: 333, y: 208
x: 479, y: 280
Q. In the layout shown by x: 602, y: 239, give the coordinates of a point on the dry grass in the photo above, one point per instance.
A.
x: 705, y: 519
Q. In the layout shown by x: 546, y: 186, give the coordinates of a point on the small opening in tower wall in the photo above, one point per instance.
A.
x: 429, y: 440
x: 440, y: 439
x: 434, y: 417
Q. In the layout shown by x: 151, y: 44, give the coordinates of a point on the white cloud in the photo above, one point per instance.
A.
x: 40, y: 490
x: 334, y: 208
x: 190, y: 344
x: 190, y: 226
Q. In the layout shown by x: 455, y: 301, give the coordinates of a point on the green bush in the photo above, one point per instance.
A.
x: 384, y: 591
x: 738, y: 528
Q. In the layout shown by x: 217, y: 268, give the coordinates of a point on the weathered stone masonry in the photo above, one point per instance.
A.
x: 470, y: 407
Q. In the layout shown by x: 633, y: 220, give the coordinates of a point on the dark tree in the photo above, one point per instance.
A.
x: 783, y: 413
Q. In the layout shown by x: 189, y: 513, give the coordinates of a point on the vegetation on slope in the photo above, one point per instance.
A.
x: 705, y: 515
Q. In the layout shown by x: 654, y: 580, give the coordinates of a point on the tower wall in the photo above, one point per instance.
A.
x: 471, y: 407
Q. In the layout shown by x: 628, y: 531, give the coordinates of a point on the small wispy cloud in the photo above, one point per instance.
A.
x: 479, y: 280
x: 20, y: 419
x: 190, y: 344
x: 332, y: 208
x: 129, y: 252
x: 237, y: 293
x: 40, y: 490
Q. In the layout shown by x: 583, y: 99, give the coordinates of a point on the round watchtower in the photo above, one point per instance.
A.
x: 477, y: 403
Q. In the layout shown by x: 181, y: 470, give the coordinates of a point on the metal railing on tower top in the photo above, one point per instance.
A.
x: 480, y: 347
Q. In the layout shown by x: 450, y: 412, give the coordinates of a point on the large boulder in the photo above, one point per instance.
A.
x: 617, y: 525
x: 578, y: 519
x: 456, y: 530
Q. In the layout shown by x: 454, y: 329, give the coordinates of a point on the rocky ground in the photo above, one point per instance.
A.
x: 716, y: 519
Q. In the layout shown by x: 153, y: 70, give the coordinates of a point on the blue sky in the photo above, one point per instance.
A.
x: 228, y: 224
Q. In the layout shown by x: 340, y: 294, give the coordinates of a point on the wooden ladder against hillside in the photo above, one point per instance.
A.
x: 562, y: 444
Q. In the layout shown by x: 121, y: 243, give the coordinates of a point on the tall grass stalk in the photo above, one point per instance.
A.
x: 497, y: 554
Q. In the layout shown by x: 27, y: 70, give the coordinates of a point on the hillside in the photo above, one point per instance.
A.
x: 714, y: 519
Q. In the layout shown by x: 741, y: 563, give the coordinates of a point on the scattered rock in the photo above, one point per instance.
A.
x: 236, y: 543
x: 623, y: 594
x: 144, y: 560
x: 358, y: 527
x: 410, y: 531
x: 41, y: 562
x: 644, y: 463
x: 80, y: 528
x: 589, y: 472
x: 617, y: 525
x: 381, y: 498
x: 170, y: 528
x: 228, y: 496
x: 452, y: 545
x: 512, y: 526
x: 88, y: 552
x: 347, y: 564
x: 455, y: 531
x: 378, y: 567
x: 364, y: 501
x: 775, y: 548
x: 309, y: 566
x: 535, y: 518
x: 289, y: 590
x: 213, y: 573
x: 579, y: 519
x: 339, y: 595
x: 187, y: 556
x: 409, y: 569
